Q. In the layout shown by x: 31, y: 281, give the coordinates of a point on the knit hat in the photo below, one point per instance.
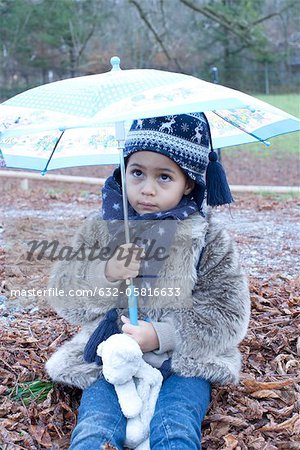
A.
x: 186, y: 139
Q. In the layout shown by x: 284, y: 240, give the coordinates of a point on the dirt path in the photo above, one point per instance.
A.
x: 268, y: 238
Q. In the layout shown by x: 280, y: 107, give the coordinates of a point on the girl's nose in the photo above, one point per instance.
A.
x: 148, y: 187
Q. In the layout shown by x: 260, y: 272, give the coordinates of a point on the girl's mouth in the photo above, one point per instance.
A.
x: 146, y: 206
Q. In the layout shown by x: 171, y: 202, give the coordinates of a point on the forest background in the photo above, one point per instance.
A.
x: 250, y: 45
x: 254, y: 44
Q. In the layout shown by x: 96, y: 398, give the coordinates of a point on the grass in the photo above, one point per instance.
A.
x: 55, y: 191
x: 288, y: 102
x: 30, y: 391
x: 279, y: 197
x: 281, y: 146
x: 85, y: 194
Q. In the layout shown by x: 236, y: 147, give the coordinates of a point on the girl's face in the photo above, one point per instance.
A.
x: 154, y: 182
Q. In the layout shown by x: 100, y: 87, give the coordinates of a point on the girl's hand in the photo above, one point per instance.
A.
x: 143, y: 333
x: 125, y: 262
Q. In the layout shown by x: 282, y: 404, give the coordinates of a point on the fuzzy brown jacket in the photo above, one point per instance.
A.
x: 200, y: 329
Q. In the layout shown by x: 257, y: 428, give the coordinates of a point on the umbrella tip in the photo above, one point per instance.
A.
x: 115, y: 62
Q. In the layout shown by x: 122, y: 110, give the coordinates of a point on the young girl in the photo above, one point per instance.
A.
x: 191, y: 329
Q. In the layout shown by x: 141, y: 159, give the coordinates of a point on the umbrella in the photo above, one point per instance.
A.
x: 50, y: 116
x: 83, y: 120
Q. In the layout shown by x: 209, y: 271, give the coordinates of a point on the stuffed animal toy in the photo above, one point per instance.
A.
x: 137, y: 385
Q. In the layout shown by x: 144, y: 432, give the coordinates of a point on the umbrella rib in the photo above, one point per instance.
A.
x: 240, y: 128
x: 52, y: 153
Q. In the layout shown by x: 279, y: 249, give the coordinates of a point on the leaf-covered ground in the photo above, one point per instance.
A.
x: 261, y: 413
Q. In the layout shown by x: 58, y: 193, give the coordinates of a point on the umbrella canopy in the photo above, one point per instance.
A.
x: 76, y: 116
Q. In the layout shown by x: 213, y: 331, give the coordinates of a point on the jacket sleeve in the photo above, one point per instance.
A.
x: 78, y: 289
x: 67, y: 365
x: 212, y: 329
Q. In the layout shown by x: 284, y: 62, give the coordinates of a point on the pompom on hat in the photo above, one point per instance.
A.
x: 186, y: 139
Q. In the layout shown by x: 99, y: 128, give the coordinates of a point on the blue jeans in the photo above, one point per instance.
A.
x: 176, y: 423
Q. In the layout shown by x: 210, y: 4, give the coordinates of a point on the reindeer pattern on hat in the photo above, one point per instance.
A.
x: 183, y: 137
x: 175, y: 125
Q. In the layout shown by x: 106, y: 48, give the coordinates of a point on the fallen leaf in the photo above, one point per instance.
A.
x: 265, y: 393
x: 219, y: 429
x: 41, y: 435
x: 231, y: 442
x: 253, y: 385
x: 286, y: 425
x: 234, y: 421
x: 282, y: 412
x: 296, y: 430
x: 108, y: 446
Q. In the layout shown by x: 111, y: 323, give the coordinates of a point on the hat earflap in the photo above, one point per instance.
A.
x: 218, y: 191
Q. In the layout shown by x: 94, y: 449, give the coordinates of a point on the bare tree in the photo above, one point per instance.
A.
x: 159, y: 39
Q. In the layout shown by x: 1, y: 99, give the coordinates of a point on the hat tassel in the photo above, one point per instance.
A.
x: 218, y: 191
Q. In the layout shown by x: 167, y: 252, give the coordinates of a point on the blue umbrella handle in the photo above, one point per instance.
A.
x: 133, y: 305
x: 132, y: 297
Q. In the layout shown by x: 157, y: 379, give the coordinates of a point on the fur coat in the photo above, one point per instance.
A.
x: 200, y: 328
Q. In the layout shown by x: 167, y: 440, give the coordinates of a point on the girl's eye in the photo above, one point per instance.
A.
x: 165, y: 177
x: 137, y: 173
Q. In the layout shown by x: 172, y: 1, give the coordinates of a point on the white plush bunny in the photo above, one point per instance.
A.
x: 137, y: 385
